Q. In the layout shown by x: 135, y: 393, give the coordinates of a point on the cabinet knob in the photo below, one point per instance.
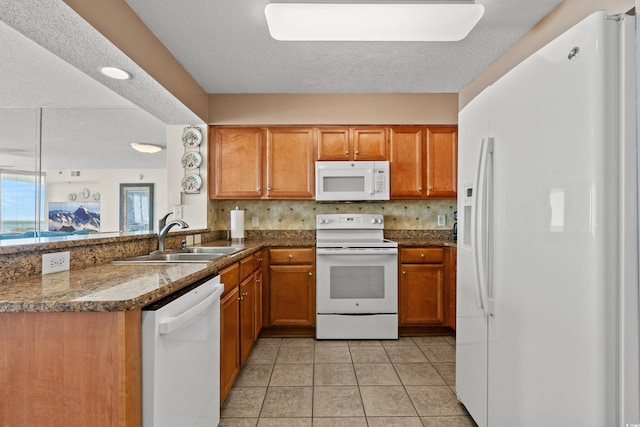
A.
x: 258, y: 189
x: 268, y: 188
x: 357, y: 152
x: 258, y: 281
x: 310, y: 274
x: 421, y: 255
x: 290, y: 256
x: 404, y: 272
x: 259, y: 259
x: 240, y: 298
x: 346, y: 153
x: 244, y: 294
x: 430, y: 188
x: 419, y: 188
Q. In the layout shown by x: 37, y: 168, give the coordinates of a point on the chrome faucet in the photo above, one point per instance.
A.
x: 162, y: 234
x: 163, y: 221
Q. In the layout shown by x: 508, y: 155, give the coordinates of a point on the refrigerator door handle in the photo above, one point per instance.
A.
x: 476, y: 210
x: 487, y: 229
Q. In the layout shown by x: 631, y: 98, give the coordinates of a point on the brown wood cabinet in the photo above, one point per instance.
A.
x: 229, y: 329
x: 235, y: 165
x: 277, y: 162
x: 426, y: 290
x: 240, y: 309
x: 407, y: 162
x: 352, y: 143
x: 290, y: 163
x: 71, y: 369
x: 423, y: 162
x: 442, y: 161
x: 292, y: 287
x: 262, y: 163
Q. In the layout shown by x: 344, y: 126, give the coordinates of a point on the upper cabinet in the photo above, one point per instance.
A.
x: 258, y: 163
x: 423, y: 162
x: 352, y: 143
x: 235, y: 169
x: 278, y: 162
x: 290, y: 158
x: 442, y: 161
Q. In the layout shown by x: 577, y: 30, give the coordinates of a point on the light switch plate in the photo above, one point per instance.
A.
x: 255, y: 221
x: 442, y: 220
x: 54, y: 262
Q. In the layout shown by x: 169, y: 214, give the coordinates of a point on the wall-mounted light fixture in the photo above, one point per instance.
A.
x: 115, y: 73
x: 146, y: 148
x: 372, y: 21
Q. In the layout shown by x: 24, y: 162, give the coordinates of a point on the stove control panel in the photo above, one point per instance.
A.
x: 350, y: 221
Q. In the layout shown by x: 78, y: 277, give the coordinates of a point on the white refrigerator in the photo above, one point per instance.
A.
x: 547, y: 292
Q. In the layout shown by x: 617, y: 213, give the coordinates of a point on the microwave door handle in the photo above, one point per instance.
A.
x: 372, y: 174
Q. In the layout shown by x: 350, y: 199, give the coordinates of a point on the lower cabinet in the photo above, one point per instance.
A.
x: 292, y: 287
x: 240, y: 316
x: 426, y: 288
x: 229, y: 340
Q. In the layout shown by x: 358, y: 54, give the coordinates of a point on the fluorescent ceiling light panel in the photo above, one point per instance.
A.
x: 371, y: 21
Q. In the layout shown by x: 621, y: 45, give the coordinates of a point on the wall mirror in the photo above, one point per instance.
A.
x: 64, y: 137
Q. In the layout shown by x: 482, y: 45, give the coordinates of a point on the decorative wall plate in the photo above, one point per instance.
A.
x: 191, y: 183
x: 84, y: 193
x: 191, y: 137
x: 96, y: 196
x: 72, y: 196
x: 191, y: 160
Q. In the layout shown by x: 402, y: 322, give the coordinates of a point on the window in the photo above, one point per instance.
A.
x: 19, y: 211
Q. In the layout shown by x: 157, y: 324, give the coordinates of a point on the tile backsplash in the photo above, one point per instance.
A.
x: 300, y: 215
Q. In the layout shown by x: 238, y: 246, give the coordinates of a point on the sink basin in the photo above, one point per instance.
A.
x: 226, y: 250
x: 172, y: 257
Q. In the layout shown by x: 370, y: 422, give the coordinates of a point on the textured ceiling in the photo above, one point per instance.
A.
x: 225, y: 45
x: 50, y: 58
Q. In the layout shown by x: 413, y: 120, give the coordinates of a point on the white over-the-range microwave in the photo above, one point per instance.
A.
x: 352, y: 181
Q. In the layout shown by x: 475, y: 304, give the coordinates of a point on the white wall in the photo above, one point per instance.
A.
x: 194, y: 206
x: 107, y: 182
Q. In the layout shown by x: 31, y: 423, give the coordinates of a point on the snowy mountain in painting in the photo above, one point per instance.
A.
x: 80, y: 219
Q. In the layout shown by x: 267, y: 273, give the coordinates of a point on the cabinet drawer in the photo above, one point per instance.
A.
x: 292, y: 256
x: 246, y: 267
x: 257, y: 260
x: 422, y: 255
x: 230, y: 277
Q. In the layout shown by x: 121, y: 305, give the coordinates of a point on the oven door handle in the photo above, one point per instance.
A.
x: 356, y: 251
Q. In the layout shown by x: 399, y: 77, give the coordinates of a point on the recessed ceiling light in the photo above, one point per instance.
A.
x: 146, y: 148
x: 115, y: 73
x: 372, y: 21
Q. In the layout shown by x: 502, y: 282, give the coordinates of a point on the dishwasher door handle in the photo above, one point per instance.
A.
x: 170, y: 324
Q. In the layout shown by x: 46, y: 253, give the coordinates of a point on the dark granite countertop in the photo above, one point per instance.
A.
x: 118, y: 287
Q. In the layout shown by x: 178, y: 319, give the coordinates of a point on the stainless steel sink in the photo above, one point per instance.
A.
x: 172, y: 257
x: 189, y: 254
x: 226, y: 250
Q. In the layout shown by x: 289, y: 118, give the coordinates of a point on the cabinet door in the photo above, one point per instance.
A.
x: 406, y: 162
x: 258, y: 304
x: 236, y: 168
x: 369, y: 143
x: 290, y: 171
x: 442, y: 161
x: 229, y: 341
x: 333, y: 144
x: 292, y: 295
x: 247, y: 317
x: 421, y: 294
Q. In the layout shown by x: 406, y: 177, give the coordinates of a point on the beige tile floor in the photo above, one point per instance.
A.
x: 301, y: 382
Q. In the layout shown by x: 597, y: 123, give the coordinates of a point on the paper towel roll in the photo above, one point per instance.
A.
x: 237, y: 224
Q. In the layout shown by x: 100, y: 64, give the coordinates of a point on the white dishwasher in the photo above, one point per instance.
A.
x: 181, y: 357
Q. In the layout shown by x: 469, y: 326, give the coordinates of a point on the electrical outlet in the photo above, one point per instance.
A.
x: 442, y: 220
x: 177, y: 212
x: 197, y: 239
x: 255, y: 221
x: 189, y: 240
x: 58, y: 261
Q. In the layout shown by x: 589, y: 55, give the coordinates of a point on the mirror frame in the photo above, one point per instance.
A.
x: 128, y: 192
